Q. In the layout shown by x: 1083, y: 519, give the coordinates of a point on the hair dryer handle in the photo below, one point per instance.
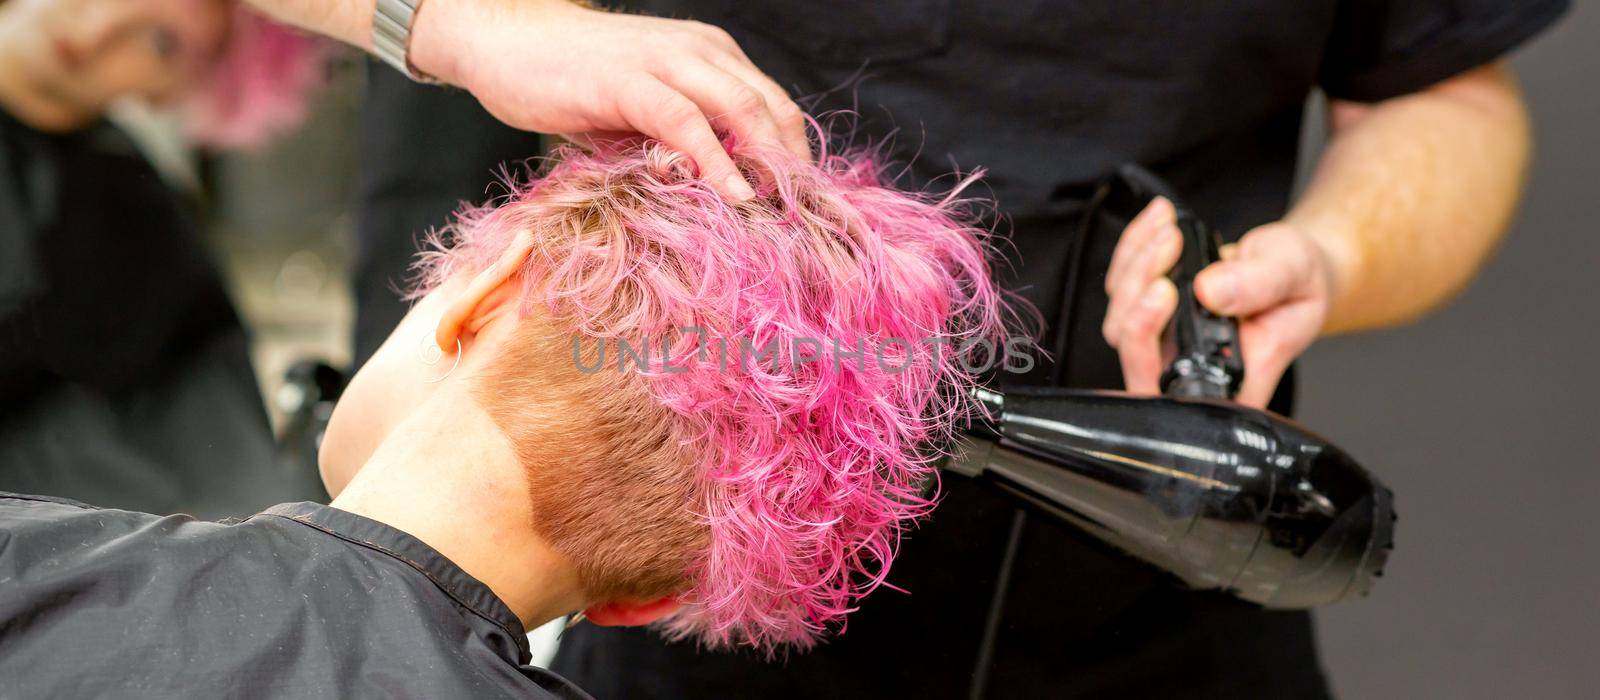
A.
x: 1204, y: 346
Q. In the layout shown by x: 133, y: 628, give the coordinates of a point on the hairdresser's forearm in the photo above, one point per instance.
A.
x: 1413, y: 194
x: 349, y: 21
x: 439, y: 32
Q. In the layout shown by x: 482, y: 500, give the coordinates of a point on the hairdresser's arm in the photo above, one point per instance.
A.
x: 1409, y: 199
x: 555, y: 67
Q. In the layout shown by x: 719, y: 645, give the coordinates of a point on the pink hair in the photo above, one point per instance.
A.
x: 810, y: 474
x: 258, y: 87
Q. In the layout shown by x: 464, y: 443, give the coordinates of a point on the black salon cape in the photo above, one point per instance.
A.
x: 125, y: 377
x: 1049, y: 97
x: 300, y: 601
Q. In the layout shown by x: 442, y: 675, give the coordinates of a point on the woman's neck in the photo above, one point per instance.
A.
x: 449, y: 478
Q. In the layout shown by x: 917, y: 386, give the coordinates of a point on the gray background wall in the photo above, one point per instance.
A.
x: 1485, y: 418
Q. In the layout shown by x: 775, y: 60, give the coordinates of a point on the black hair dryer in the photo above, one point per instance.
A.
x: 1223, y: 496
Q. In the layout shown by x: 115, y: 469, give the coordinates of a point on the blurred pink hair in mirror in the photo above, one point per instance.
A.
x: 259, y: 86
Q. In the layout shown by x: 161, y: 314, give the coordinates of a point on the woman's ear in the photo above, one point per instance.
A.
x: 484, y: 285
x: 631, y: 614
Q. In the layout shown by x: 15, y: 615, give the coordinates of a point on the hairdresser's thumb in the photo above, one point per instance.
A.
x: 1243, y: 287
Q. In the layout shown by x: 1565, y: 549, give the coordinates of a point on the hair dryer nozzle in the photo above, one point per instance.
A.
x: 1223, y: 496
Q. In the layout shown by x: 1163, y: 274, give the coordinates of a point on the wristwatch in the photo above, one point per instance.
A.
x: 391, y: 36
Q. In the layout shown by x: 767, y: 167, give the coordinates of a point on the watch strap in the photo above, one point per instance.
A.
x: 391, y: 36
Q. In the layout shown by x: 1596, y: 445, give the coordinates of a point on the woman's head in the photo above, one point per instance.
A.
x: 237, y: 76
x: 675, y: 387
x: 91, y: 52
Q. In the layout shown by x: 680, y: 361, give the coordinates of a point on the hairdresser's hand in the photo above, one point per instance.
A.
x: 1277, y: 280
x: 554, y: 67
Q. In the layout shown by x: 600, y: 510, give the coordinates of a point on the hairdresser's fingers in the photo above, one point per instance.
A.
x: 790, y: 119
x: 1271, y: 341
x: 1157, y: 214
x: 724, y: 52
x: 1265, y: 363
x: 732, y: 103
x: 659, y: 111
x: 1277, y: 281
x: 1139, y: 347
x: 1157, y: 255
x: 1255, y: 280
x: 1243, y: 287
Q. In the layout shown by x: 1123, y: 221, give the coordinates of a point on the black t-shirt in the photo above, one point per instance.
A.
x: 300, y: 601
x: 1049, y: 98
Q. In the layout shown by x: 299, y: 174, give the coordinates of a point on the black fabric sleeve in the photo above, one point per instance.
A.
x: 1380, y: 49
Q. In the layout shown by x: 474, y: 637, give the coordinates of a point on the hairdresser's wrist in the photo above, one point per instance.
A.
x: 349, y: 21
x: 448, y: 37
x: 437, y: 39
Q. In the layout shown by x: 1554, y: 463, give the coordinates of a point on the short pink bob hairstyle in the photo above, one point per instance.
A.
x: 258, y: 87
x: 800, y: 479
